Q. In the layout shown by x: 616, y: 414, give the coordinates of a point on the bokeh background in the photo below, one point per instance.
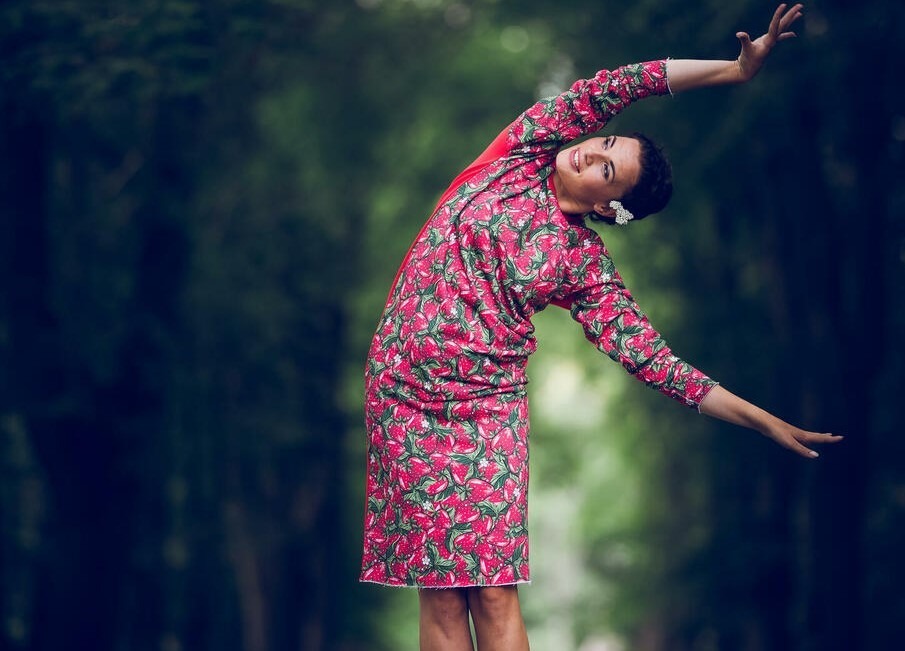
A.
x: 202, y: 205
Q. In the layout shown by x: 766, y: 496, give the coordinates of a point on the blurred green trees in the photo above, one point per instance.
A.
x: 202, y: 206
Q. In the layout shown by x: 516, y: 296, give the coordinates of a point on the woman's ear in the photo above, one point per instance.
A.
x: 604, y: 210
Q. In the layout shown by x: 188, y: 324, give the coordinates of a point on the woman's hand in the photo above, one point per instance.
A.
x: 797, y: 440
x: 685, y: 74
x: 754, y: 53
x: 725, y: 405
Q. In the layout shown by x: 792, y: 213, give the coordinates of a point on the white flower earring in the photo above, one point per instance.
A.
x: 623, y: 214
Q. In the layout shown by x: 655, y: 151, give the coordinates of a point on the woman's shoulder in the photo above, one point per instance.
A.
x: 580, y: 235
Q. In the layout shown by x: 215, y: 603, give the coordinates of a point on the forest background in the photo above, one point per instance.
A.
x: 202, y: 205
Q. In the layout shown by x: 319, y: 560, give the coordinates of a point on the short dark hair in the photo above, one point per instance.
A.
x: 652, y: 191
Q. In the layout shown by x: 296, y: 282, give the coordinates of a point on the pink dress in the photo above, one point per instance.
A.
x: 446, y: 402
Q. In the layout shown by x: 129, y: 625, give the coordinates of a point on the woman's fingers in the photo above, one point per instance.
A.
x: 787, y: 19
x: 803, y: 451
x: 824, y: 437
x: 800, y: 448
x: 777, y: 19
x: 811, y: 438
x: 790, y: 17
x: 757, y: 51
x: 777, y: 31
x: 820, y: 438
x: 798, y: 440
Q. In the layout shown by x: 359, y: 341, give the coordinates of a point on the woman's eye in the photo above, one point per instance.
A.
x: 606, y: 171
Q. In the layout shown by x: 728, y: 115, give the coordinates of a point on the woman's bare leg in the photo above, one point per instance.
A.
x: 443, y: 622
x: 497, y: 619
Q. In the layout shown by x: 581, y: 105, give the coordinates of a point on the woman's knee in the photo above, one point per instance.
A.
x: 494, y: 602
x: 444, y: 607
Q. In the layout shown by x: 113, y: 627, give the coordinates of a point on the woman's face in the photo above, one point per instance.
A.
x: 589, y: 175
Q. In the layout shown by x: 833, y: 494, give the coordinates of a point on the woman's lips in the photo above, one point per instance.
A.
x: 575, y: 160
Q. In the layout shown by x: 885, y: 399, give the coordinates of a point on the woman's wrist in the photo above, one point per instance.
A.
x: 725, y: 405
x: 740, y: 71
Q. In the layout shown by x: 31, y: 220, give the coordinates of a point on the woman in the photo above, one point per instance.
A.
x: 446, y: 406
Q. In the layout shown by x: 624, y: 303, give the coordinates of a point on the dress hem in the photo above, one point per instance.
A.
x: 445, y: 587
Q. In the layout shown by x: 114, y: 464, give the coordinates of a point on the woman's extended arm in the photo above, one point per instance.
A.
x: 727, y: 406
x: 587, y: 105
x: 685, y: 74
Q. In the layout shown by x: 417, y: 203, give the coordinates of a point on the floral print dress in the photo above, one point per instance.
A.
x: 446, y: 404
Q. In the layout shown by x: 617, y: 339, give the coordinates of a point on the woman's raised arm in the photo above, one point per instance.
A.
x: 685, y: 74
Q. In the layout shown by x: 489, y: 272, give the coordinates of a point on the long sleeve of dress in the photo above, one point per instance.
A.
x: 615, y: 324
x: 589, y: 104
